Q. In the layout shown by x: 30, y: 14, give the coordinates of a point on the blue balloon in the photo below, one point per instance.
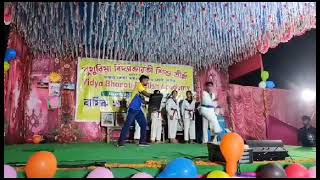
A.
x: 270, y: 84
x: 11, y: 54
x: 179, y: 168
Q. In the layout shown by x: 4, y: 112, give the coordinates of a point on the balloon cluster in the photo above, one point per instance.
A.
x: 43, y: 164
x: 274, y: 170
x: 264, y: 83
x: 11, y: 54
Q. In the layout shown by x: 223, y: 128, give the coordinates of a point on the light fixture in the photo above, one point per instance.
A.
x: 308, y: 95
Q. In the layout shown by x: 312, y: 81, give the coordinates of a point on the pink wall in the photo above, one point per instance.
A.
x: 277, y: 129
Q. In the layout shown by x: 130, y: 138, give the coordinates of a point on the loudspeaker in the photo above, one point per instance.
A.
x: 215, y: 154
x: 267, y: 150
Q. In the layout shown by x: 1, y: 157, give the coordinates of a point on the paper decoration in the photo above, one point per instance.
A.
x: 55, y: 77
x: 201, y: 34
x: 54, y: 89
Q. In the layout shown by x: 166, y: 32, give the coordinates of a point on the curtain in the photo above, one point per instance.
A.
x: 16, y: 89
x: 247, y: 111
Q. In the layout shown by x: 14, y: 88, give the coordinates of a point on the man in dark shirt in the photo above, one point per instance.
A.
x: 307, y: 134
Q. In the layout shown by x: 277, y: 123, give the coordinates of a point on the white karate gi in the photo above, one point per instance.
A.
x: 156, y: 123
x: 172, y: 109
x: 187, y: 111
x: 207, y: 111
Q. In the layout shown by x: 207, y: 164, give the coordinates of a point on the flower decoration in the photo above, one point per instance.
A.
x: 55, y: 77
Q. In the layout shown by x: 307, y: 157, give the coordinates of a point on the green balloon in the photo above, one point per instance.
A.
x: 264, y: 75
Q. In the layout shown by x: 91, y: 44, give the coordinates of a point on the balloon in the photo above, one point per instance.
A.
x: 312, y: 172
x: 100, y: 172
x: 9, y: 172
x: 270, y: 84
x: 232, y: 148
x: 251, y: 174
x: 6, y: 66
x: 179, y: 168
x: 264, y: 75
x: 262, y: 84
x: 272, y: 170
x: 218, y: 174
x: 10, y: 55
x: 297, y: 171
x: 36, y: 139
x: 142, y: 175
x: 42, y: 164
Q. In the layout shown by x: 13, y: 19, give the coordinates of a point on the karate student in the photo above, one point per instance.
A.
x: 173, y: 114
x: 222, y: 123
x: 187, y: 111
x: 156, y: 122
x: 135, y: 112
x: 207, y: 109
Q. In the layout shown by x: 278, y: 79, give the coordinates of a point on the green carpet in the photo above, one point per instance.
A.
x: 87, y: 154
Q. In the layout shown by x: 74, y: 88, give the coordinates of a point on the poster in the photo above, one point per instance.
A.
x: 106, y: 85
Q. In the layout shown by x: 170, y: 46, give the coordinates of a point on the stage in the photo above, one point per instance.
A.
x: 76, y: 160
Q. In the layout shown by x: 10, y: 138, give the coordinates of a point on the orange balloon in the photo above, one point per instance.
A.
x: 232, y: 148
x: 36, y: 139
x: 42, y: 164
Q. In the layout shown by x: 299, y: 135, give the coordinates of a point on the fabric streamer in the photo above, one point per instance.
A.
x: 202, y: 34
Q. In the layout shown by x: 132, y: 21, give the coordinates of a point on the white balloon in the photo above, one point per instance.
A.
x: 263, y: 84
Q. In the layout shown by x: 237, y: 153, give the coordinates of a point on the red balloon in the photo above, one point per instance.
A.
x: 297, y: 171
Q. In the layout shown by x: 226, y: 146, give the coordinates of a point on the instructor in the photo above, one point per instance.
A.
x: 135, y: 112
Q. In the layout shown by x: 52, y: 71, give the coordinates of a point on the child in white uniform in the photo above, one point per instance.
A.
x: 173, y: 114
x: 187, y: 111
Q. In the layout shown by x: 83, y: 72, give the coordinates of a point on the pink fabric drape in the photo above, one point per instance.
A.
x: 16, y: 89
x: 57, y: 124
x: 288, y: 107
x: 280, y: 130
x: 247, y: 111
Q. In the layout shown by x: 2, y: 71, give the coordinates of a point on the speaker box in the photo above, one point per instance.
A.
x: 215, y: 154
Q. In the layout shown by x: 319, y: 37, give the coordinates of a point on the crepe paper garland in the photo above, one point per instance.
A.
x: 201, y: 34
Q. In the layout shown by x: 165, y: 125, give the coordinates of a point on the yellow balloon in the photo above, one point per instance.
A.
x: 218, y: 174
x: 6, y: 66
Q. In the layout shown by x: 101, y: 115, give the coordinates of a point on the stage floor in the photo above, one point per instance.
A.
x: 76, y: 160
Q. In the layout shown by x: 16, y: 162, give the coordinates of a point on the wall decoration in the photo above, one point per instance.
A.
x: 107, y: 119
x: 54, y: 89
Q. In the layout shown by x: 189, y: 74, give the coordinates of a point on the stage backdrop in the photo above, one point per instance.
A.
x: 103, y: 86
